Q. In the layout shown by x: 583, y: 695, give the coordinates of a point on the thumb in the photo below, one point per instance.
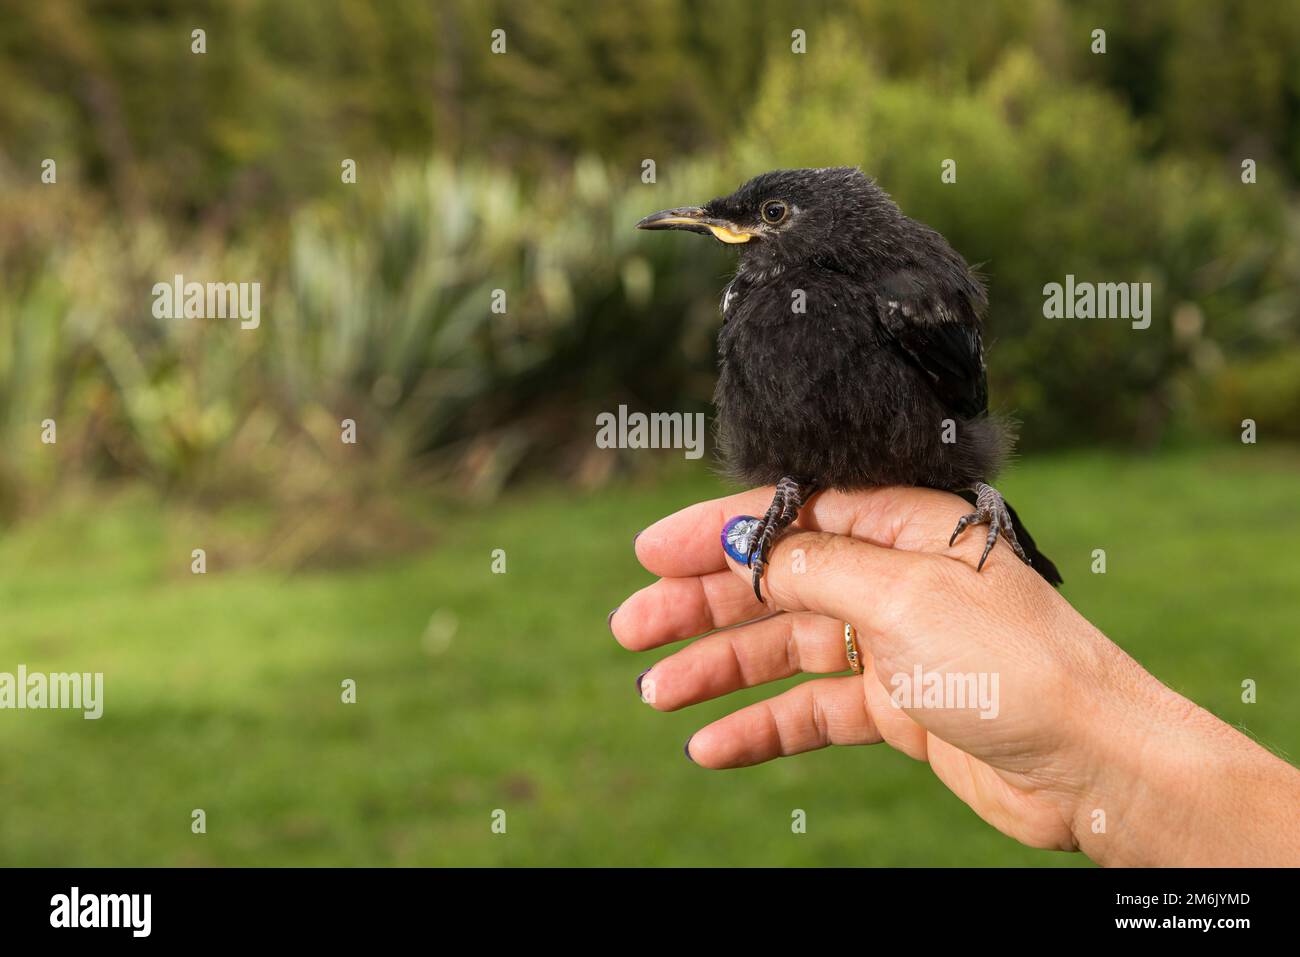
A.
x: 831, y: 575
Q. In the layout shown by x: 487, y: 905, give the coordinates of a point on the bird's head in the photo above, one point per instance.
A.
x: 792, y: 216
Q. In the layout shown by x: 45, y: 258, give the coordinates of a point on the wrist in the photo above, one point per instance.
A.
x: 1175, y: 786
x: 1133, y: 808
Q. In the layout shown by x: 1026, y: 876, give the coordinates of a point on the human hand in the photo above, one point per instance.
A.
x: 1069, y: 726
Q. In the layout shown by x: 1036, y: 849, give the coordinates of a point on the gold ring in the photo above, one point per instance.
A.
x: 851, y: 648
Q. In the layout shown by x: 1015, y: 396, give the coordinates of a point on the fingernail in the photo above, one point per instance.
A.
x: 640, y: 693
x: 609, y: 619
x: 736, y: 535
x: 634, y: 538
x: 687, y: 750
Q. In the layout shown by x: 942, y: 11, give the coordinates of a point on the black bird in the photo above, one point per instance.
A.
x: 850, y: 353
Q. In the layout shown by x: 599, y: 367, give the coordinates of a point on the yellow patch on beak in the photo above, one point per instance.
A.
x: 728, y: 235
x: 694, y: 219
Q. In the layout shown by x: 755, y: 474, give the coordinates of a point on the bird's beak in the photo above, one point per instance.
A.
x: 693, y: 219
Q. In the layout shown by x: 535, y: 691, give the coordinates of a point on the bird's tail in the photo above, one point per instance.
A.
x: 1037, y: 560
x: 1040, y: 562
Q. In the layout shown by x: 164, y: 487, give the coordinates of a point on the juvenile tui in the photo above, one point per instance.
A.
x: 850, y: 353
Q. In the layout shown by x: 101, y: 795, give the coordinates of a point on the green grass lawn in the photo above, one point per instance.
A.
x: 222, y: 691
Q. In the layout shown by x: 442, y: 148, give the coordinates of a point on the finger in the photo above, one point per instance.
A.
x: 815, y: 714
x: 689, y: 541
x: 898, y: 729
x: 844, y: 578
x: 673, y: 609
x: 766, y: 650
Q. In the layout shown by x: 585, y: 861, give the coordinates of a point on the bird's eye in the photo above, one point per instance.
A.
x: 773, y: 211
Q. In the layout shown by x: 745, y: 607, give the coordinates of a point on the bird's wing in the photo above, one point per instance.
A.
x: 940, y: 335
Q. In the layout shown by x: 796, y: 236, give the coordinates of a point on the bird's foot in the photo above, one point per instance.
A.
x: 790, y: 497
x: 990, y: 510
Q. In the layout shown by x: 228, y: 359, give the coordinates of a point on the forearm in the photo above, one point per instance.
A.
x: 1185, y: 789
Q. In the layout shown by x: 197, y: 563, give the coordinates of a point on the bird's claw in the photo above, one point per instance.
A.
x: 990, y: 510
x: 759, y: 567
x: 789, y: 498
x: 764, y: 535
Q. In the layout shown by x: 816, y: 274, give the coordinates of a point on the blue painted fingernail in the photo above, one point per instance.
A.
x: 639, y: 692
x: 609, y: 619
x: 737, y: 537
x: 634, y: 538
x: 687, y: 750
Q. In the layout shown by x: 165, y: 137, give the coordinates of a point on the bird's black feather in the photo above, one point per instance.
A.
x: 942, y: 338
x: 851, y: 351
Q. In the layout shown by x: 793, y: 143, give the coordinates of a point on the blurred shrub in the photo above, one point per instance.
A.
x: 377, y: 297
x: 1265, y: 390
x: 113, y: 90
x: 388, y: 311
x: 377, y: 309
